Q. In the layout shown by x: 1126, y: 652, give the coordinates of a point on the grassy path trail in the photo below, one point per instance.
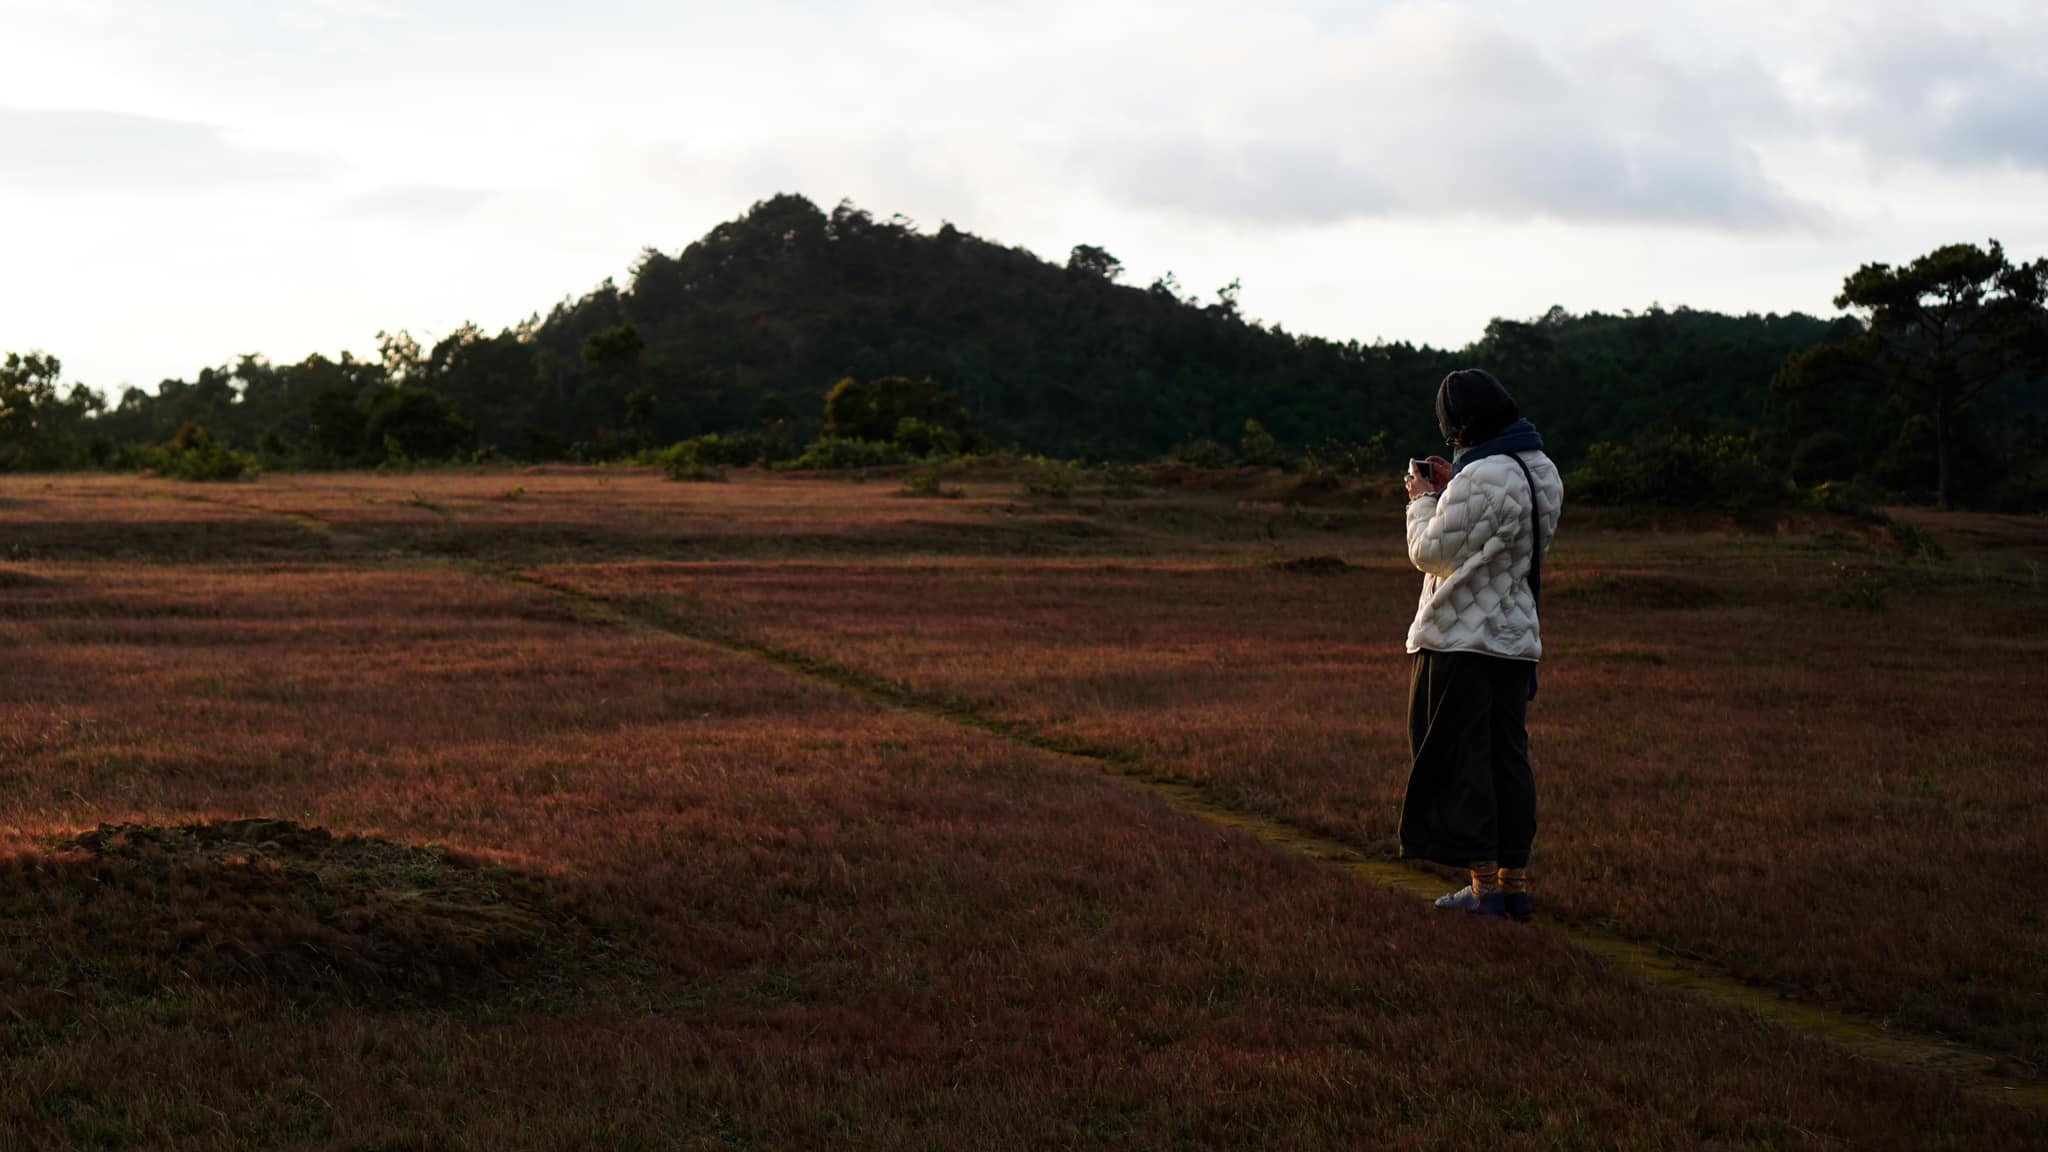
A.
x: 1981, y: 1072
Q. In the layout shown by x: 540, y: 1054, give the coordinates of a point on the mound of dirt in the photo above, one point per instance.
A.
x: 135, y: 910
x: 1313, y: 566
x: 1625, y: 589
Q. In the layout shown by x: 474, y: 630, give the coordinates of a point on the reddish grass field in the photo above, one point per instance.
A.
x: 1823, y: 802
x: 617, y: 889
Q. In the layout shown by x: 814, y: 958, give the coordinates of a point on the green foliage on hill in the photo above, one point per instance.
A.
x: 1718, y: 473
x: 878, y: 340
x: 752, y: 326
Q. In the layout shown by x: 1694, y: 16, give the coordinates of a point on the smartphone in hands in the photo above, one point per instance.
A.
x: 1432, y: 474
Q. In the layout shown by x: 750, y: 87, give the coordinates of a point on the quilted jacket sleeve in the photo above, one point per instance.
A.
x: 1445, y: 532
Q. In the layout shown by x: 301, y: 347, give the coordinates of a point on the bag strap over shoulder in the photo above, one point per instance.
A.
x: 1536, y: 555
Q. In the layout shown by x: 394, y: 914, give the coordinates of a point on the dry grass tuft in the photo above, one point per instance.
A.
x: 1662, y: 591
x: 1313, y: 566
x: 128, y: 911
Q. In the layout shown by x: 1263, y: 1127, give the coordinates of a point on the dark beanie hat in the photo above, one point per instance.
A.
x: 1472, y: 406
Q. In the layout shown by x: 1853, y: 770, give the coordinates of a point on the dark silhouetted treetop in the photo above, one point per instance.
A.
x: 1949, y: 326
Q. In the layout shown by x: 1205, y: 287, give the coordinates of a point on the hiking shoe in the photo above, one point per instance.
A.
x: 1465, y: 900
x: 1518, y: 906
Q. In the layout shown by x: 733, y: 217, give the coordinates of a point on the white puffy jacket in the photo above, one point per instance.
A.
x: 1473, y: 547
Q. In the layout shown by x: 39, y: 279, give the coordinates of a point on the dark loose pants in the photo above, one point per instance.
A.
x: 1471, y: 793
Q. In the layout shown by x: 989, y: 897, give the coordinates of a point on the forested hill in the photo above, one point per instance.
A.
x: 756, y: 320
x: 753, y: 324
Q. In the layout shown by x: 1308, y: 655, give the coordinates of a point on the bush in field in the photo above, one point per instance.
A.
x: 1047, y: 480
x: 193, y: 454
x: 411, y: 423
x: 892, y: 420
x: 1856, y: 588
x: 1916, y: 542
x: 1346, y: 458
x: 704, y: 457
x: 1716, y: 473
x: 1123, y: 481
x: 1203, y: 454
x: 1258, y: 446
x: 831, y: 453
x: 1850, y: 499
x: 1326, y: 467
x: 925, y: 482
x: 884, y: 410
x: 732, y: 450
x: 920, y: 438
x: 1317, y: 477
x: 684, y: 464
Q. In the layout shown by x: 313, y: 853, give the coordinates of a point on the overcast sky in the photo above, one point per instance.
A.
x: 182, y: 181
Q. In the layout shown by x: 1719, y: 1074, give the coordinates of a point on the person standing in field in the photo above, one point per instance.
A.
x: 1477, y: 528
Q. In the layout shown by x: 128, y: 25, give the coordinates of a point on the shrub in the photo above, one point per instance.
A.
x: 1347, y: 458
x: 688, y: 468
x: 1047, y: 480
x: 1916, y: 542
x: 877, y: 411
x: 703, y: 457
x: 833, y: 453
x: 412, y: 423
x: 733, y: 450
x: 1203, y: 454
x: 925, y: 482
x: 1316, y: 477
x: 1123, y: 481
x: 1313, y: 566
x: 1857, y: 588
x: 1849, y: 499
x: 1720, y: 473
x: 193, y: 454
x: 920, y: 438
x: 1258, y: 446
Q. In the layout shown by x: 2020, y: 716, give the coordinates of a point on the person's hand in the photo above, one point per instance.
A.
x: 1439, y: 478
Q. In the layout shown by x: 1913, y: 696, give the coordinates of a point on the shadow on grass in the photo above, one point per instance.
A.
x: 130, y: 912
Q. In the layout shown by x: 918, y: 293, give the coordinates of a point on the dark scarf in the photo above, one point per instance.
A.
x: 1512, y: 441
x: 1521, y: 436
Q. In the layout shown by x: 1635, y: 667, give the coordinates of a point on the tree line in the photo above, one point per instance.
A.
x: 1929, y: 387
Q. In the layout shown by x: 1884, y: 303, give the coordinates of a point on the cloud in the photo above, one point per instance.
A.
x: 79, y: 149
x: 418, y: 203
x: 1251, y: 180
x: 1953, y: 98
x: 1429, y: 112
